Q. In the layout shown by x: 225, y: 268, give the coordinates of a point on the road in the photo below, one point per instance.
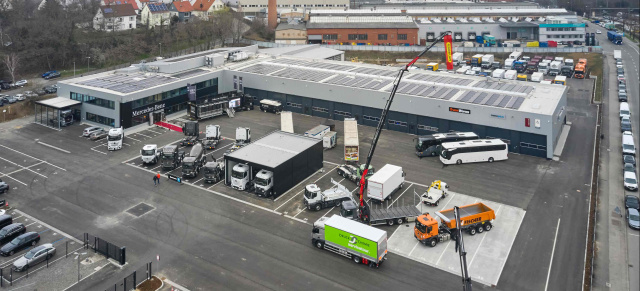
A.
x: 617, y: 263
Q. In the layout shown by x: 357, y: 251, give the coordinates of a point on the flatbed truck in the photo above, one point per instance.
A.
x: 383, y: 215
x: 474, y: 218
x: 316, y: 199
x: 360, y: 243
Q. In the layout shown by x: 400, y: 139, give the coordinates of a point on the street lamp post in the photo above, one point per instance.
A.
x: 74, y: 68
x: 88, y: 58
x: 160, y: 49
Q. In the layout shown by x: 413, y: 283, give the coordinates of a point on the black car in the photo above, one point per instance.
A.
x: 19, y: 243
x: 5, y: 85
x: 50, y: 89
x: 4, y: 187
x: 11, y: 231
x: 629, y: 159
x: 629, y: 167
x: 52, y: 76
x: 39, y: 92
x: 631, y: 201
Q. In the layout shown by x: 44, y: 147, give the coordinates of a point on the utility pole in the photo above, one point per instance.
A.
x: 160, y: 49
x: 74, y: 68
x: 88, y: 58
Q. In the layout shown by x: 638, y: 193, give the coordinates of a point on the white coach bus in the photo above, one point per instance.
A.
x: 479, y: 150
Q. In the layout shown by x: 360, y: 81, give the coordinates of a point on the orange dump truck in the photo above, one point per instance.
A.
x: 581, y: 69
x: 474, y: 218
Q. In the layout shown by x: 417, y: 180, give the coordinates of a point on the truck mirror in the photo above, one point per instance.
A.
x: 316, y: 230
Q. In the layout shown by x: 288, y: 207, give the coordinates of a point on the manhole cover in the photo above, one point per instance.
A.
x: 140, y: 209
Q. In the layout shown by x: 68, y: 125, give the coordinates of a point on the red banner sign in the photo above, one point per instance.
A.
x: 448, y: 47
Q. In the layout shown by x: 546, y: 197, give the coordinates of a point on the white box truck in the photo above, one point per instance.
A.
x: 537, y: 77
x: 329, y: 140
x: 499, y: 73
x: 617, y: 54
x: 359, y: 242
x: 351, y: 140
x: 463, y: 69
x: 243, y: 135
x: 384, y: 182
x: 457, y: 59
x: 510, y: 74
x: 317, y: 132
x: 487, y: 61
x: 554, y: 68
x: 508, y: 64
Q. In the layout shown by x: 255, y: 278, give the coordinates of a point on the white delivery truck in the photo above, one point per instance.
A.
x: 499, y: 73
x: 114, y: 138
x: 544, y: 67
x: 537, y: 77
x: 384, y: 182
x: 559, y: 59
x: 463, y: 69
x: 318, y: 131
x: 457, y: 59
x: 243, y: 135
x: 150, y: 154
x: 569, y: 62
x: 316, y: 199
x: 212, y: 137
x: 351, y: 140
x: 554, y: 68
x: 508, y: 64
x: 515, y: 56
x: 617, y: 54
x: 510, y: 74
x: 359, y: 242
x: 330, y: 140
x: 487, y: 61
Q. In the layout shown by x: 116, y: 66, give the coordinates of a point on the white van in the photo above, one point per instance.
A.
x: 624, y: 110
x: 628, y: 147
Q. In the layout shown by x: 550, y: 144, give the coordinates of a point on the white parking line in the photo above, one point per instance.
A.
x: 32, y: 157
x: 285, y: 193
x: 156, y: 167
x: 12, y: 178
x: 153, y: 131
x: 198, y: 180
x: 218, y: 149
x: 143, y: 135
x: 553, y: 250
x: 215, y: 184
x: 394, y: 201
x: 54, y: 147
x: 24, y: 168
x: 98, y: 151
x: 328, y: 172
x: 134, y: 139
x: 16, y: 171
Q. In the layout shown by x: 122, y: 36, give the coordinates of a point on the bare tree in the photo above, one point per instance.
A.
x: 12, y: 61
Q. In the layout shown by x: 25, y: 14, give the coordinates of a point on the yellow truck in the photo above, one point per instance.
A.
x: 432, y: 66
x: 523, y: 77
x: 474, y: 218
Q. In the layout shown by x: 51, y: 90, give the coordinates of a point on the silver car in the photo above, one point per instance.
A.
x: 34, y: 256
x: 89, y: 130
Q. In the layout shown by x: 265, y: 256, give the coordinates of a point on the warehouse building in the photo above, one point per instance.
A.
x: 363, y: 30
x: 290, y: 157
x: 527, y: 116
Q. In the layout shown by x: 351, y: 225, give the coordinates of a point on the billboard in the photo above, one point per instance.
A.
x: 448, y: 47
x: 191, y: 90
x: 233, y: 103
x: 365, y: 247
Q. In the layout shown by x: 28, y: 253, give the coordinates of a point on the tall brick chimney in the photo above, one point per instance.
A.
x: 272, y: 16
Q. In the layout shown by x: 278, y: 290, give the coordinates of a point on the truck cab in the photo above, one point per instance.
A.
x: 150, y: 154
x: 213, y: 171
x: 519, y: 66
x: 349, y: 209
x: 171, y: 157
x: 240, y: 177
x: 436, y: 192
x: 212, y: 137
x: 114, y: 138
x: 264, y: 183
x: 243, y: 135
x: 192, y: 164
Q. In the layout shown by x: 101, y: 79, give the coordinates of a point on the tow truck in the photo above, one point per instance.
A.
x: 436, y: 192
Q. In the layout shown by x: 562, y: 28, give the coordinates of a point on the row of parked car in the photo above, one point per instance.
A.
x: 8, y: 99
x: 14, y: 238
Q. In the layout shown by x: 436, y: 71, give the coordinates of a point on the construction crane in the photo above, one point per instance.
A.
x: 364, y: 209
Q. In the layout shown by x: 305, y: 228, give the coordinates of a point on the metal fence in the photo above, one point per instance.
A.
x: 8, y: 273
x: 134, y: 279
x: 109, y: 250
x: 594, y: 49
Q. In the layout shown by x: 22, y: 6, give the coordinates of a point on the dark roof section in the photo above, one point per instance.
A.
x: 285, y: 26
x: 118, y: 10
x: 519, y: 24
x: 361, y: 25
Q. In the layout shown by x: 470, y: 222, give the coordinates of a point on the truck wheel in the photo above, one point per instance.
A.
x: 472, y: 231
x: 318, y: 207
x: 390, y: 222
x: 480, y: 229
x: 490, y: 160
x: 488, y: 226
x: 433, y: 242
x: 437, y: 202
x: 319, y: 244
x: 458, y: 162
x: 338, y: 203
x: 356, y: 259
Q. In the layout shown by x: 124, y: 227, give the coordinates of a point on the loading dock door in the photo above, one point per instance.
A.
x: 533, y: 144
x: 459, y: 126
x: 472, y: 36
x: 457, y: 36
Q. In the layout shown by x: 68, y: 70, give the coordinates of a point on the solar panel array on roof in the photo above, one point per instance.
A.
x: 358, y: 82
x: 327, y: 66
x: 154, y: 7
x: 491, y: 99
x: 440, y: 79
x: 300, y: 74
x: 189, y: 73
x: 431, y: 91
x: 374, y: 71
x: 261, y: 69
x: 126, y: 83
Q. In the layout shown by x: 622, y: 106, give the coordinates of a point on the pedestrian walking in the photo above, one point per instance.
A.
x: 155, y: 180
x: 158, y: 176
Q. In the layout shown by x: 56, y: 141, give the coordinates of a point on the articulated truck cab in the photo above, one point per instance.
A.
x: 264, y: 183
x: 240, y: 177
x: 114, y: 138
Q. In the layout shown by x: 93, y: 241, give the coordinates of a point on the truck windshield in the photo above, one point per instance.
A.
x: 238, y: 175
x: 148, y: 152
x: 187, y: 165
x: 114, y: 137
x: 208, y: 170
x: 421, y: 227
x: 262, y: 182
x: 168, y: 155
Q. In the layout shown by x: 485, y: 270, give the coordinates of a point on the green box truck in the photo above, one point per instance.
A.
x: 359, y: 242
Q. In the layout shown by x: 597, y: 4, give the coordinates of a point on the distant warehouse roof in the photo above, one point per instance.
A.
x: 361, y: 22
x: 274, y: 149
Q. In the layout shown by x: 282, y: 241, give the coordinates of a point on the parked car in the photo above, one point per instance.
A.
x: 19, y: 97
x: 629, y: 159
x: 10, y: 99
x: 52, y: 76
x: 48, y: 73
x: 5, y: 85
x: 628, y: 167
x: 39, y: 92
x: 19, y: 243
x: 620, y: 71
x: 11, y: 231
x: 20, y: 83
x: 631, y: 201
x: 34, y: 256
x: 625, y: 124
x: 50, y: 89
x: 622, y: 96
x: 630, y: 181
x: 98, y: 134
x: 598, y: 32
x: 89, y: 130
x: 4, y: 187
x: 633, y: 218
x: 30, y: 94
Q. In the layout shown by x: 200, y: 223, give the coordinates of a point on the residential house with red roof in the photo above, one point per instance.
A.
x: 205, y: 8
x: 134, y: 3
x: 182, y: 9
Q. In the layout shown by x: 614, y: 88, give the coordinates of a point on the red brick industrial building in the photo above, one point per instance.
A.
x: 363, y: 31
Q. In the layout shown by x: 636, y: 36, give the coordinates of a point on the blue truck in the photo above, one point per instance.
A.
x: 614, y: 37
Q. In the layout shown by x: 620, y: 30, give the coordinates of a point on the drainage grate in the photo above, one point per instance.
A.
x: 140, y: 209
